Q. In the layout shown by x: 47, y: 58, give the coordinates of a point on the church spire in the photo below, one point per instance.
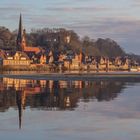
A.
x: 20, y: 34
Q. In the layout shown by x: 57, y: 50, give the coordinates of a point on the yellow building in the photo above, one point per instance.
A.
x: 76, y: 62
x: 18, y: 59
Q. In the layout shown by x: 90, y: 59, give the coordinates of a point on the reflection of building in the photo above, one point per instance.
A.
x: 18, y: 84
x: 63, y: 84
x: 50, y: 95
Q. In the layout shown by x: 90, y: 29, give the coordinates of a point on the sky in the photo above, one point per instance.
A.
x: 115, y: 19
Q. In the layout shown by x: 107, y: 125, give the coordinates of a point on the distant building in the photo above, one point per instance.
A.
x: 75, y: 63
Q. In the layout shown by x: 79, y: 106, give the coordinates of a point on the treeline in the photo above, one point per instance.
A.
x: 62, y: 40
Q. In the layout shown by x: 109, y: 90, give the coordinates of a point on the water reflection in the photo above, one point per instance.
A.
x: 54, y: 95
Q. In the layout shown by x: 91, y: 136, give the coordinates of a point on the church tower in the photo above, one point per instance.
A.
x: 20, y: 35
x: 21, y: 40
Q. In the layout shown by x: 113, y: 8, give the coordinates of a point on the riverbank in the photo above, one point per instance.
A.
x: 76, y: 76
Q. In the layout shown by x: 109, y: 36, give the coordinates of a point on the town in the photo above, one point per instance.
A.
x: 33, y: 58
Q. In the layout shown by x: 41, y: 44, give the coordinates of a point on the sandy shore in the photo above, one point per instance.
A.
x: 77, y: 76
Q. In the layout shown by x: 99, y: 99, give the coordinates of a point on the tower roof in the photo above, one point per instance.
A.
x: 20, y: 33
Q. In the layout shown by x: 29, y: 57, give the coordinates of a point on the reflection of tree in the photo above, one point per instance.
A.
x: 56, y: 94
x: 7, y: 99
x: 108, y: 90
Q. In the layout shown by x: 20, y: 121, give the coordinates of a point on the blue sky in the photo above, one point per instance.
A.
x: 119, y: 20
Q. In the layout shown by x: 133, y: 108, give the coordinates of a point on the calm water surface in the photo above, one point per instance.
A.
x: 72, y: 110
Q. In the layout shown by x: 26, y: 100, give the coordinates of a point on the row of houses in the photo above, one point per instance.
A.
x: 63, y: 61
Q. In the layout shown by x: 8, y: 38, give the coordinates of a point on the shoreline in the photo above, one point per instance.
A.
x: 76, y: 76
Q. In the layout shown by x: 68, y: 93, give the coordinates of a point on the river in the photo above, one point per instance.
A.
x: 69, y: 110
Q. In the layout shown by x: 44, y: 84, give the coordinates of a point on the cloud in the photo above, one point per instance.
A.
x: 12, y: 9
x: 135, y: 3
x: 76, y: 9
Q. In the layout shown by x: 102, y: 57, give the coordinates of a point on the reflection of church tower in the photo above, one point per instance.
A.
x: 20, y: 100
x: 19, y: 36
x: 19, y: 105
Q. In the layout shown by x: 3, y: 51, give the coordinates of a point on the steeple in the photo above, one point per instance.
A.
x: 20, y: 33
